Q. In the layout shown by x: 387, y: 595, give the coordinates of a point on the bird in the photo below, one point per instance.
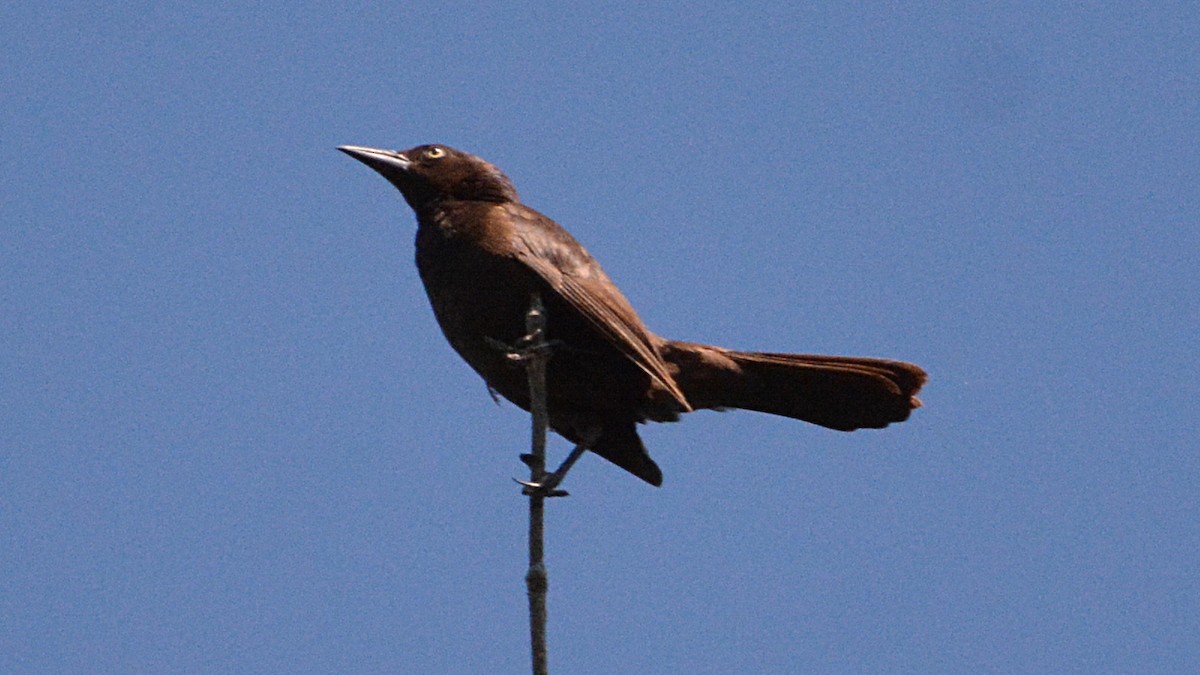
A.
x: 482, y: 254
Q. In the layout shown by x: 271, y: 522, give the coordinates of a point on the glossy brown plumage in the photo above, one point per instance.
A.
x: 481, y: 254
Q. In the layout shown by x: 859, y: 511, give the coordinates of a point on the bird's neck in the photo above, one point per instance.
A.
x: 455, y: 219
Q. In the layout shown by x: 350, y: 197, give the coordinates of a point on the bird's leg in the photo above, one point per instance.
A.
x: 547, y: 486
x: 533, y: 353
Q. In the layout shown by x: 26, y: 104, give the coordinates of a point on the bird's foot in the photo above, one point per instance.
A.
x: 533, y: 346
x: 546, y: 485
x: 546, y: 488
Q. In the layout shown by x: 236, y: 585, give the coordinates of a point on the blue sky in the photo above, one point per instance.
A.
x: 233, y: 439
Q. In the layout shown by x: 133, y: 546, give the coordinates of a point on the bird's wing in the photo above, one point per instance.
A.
x: 560, y: 260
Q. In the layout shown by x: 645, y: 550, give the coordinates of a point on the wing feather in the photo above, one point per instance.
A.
x: 551, y: 252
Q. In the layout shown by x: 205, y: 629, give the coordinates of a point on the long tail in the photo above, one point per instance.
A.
x: 839, y: 392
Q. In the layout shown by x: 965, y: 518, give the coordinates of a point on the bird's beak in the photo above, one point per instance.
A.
x: 387, y: 162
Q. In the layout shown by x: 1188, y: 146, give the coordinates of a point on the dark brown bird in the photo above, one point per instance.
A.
x: 482, y: 254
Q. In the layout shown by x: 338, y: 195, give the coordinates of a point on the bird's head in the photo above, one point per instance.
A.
x: 430, y: 173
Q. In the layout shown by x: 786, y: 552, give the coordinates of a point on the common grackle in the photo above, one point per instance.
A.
x: 481, y: 254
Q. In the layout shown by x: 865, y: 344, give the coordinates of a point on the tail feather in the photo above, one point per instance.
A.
x: 838, y: 392
x: 621, y: 445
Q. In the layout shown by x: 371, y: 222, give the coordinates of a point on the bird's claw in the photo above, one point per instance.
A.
x: 527, y: 347
x: 547, y: 484
x: 546, y: 488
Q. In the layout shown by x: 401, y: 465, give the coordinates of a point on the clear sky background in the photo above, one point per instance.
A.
x: 233, y: 439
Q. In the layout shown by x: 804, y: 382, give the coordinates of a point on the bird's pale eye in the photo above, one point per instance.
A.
x: 435, y: 153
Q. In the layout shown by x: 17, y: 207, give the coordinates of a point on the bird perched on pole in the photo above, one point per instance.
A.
x: 482, y: 254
